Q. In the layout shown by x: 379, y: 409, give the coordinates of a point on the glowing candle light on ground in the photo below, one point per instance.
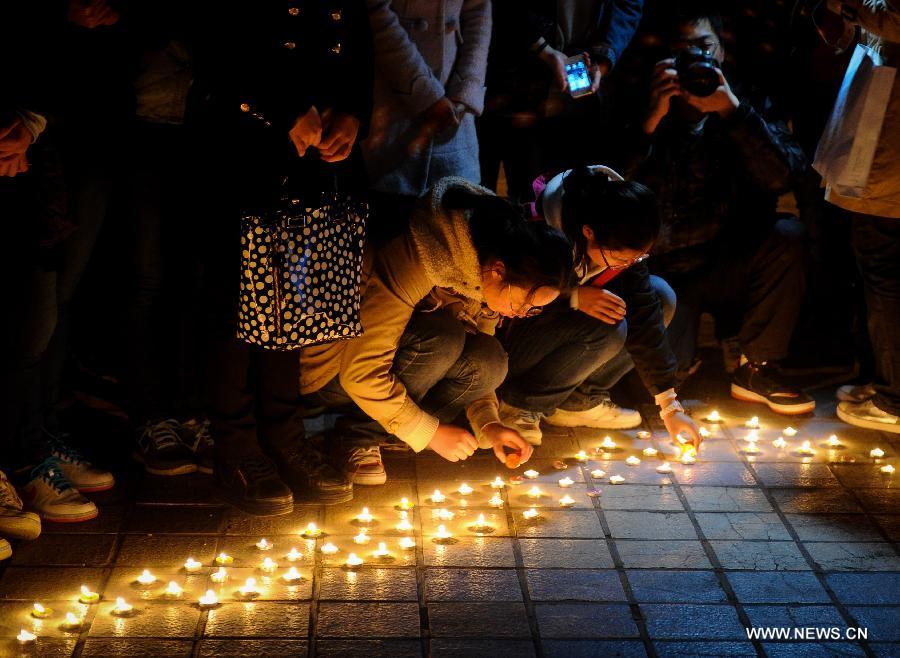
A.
x: 633, y: 461
x: 442, y: 533
x: 833, y: 441
x: 404, y: 504
x: 806, y: 449
x: 293, y: 555
x: 753, y: 423
x: 362, y: 537
x: 888, y: 469
x: 364, y: 516
x: 437, y: 497
x: 780, y: 443
x: 650, y: 452
x: 496, y: 500
x: 146, y: 578
x: 25, y: 637
x: 353, y: 561
x: 311, y: 530
x: 249, y: 589
x: 173, y: 590
x: 531, y: 474
x: 264, y: 544
x: 465, y: 489
x: 664, y: 468
x: 381, y: 552
x: 752, y: 436
x: 530, y: 514
x: 444, y: 514
x: 122, y: 608
x: 566, y: 482
x: 751, y: 449
x: 404, y: 525
x: 87, y: 596
x: 481, y: 525
x: 535, y: 492
x: 616, y: 479
x: 292, y: 576
x: 407, y: 543
x: 38, y: 611
x: 223, y: 559
x: 608, y: 444
x: 268, y: 565
x: 71, y: 622
x: 329, y: 548
x: 714, y: 417
x: 598, y: 474
x: 220, y: 575
x: 789, y: 431
x: 581, y: 456
x: 644, y: 434
x: 209, y: 600
x: 192, y: 566
x: 688, y: 454
x: 566, y: 501
x: 876, y: 453
x: 498, y: 483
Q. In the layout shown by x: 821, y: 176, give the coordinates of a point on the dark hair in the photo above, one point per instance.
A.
x: 534, y: 254
x: 694, y: 11
x: 622, y: 214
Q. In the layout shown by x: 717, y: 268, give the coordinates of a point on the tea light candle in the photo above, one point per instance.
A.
x: 644, y: 434
x: 362, y: 537
x: 650, y: 452
x: 581, y: 456
x: 25, y: 637
x: 405, y: 504
x: 887, y: 469
x: 751, y: 449
x: 753, y: 423
x: 481, y: 525
x: 705, y: 433
x: 442, y: 534
x: 752, y: 436
x: 268, y: 565
x: 146, y: 578
x: 38, y: 611
x: 208, y: 600
x: 780, y: 443
x: 616, y: 479
x: 173, y: 590
x: 530, y: 514
x: 219, y: 576
x: 465, y: 489
x: 311, y: 530
x: 122, y: 608
x: 535, y: 492
x: 496, y: 500
x: 876, y: 453
x: 71, y: 622
x: 249, y: 589
x: 531, y: 474
x: 566, y: 501
x: 292, y: 575
x: 364, y: 516
x: 664, y: 468
x: 608, y: 444
x: 223, y: 559
x: 833, y: 441
x: 633, y: 461
x: 566, y: 482
x: 444, y: 514
x: 353, y: 561
x: 598, y: 473
x: 404, y: 525
x: 381, y: 552
x: 689, y: 455
x: 789, y: 431
x: 264, y: 545
x: 806, y: 449
x: 407, y: 543
x: 714, y: 417
x: 293, y: 555
x: 498, y: 483
x: 329, y: 548
x: 192, y: 566
x: 87, y: 596
x: 437, y: 497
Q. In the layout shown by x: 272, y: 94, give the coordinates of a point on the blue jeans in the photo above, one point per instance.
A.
x: 443, y: 367
x: 566, y: 359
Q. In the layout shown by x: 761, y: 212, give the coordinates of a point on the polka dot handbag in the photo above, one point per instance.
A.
x: 300, y: 273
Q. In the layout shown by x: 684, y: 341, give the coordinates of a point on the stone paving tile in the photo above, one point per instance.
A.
x: 574, y: 585
x: 369, y: 648
x: 726, y: 499
x: 584, y: 620
x: 867, y: 588
x: 833, y: 527
x: 812, y: 650
x: 640, y: 497
x: 594, y: 648
x: 717, y: 475
x: 483, y: 648
x: 692, y: 622
x: 815, y: 501
x: 760, y: 555
x: 703, y: 649
x: 472, y: 585
x: 175, y: 519
x: 165, y: 550
x: 47, y: 583
x: 650, y: 525
x: 462, y: 523
x: 109, y: 520
x: 676, y: 587
x: 237, y: 523
x: 368, y: 584
x: 864, y: 475
x: 485, y: 620
x: 258, y: 619
x: 572, y: 553
x: 398, y: 557
x: 880, y: 620
x: 794, y: 616
x: 777, y: 587
x: 878, y: 501
x: 890, y: 524
x: 885, y: 650
x: 471, y: 552
x: 189, y: 489
x: 58, y: 550
x: 44, y: 647
x: 519, y: 498
x: 368, y: 620
x: 150, y: 620
x: 795, y: 475
x: 742, y: 525
x: 103, y: 648
x: 662, y: 554
x: 252, y: 648
x: 571, y: 523
x: 863, y: 556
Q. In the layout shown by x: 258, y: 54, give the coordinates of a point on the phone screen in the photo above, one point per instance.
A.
x: 577, y: 76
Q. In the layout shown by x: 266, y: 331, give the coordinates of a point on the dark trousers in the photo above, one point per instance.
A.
x: 876, y: 243
x: 566, y: 359
x: 756, y: 286
x: 443, y: 367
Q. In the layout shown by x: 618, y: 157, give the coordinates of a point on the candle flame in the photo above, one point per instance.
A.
x: 209, y: 599
x: 25, y: 636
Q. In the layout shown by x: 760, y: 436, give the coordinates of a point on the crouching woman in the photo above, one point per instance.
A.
x: 432, y: 300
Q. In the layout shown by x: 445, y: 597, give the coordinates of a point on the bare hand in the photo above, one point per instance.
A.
x: 92, y: 13
x: 722, y: 101
x: 663, y: 88
x: 15, y: 139
x: 501, y: 436
x: 556, y: 61
x: 341, y: 130
x: 601, y: 304
x: 441, y: 117
x: 306, y: 131
x: 453, y: 443
x: 681, y: 423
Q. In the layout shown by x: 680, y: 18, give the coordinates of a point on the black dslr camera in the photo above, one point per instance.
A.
x: 697, y: 71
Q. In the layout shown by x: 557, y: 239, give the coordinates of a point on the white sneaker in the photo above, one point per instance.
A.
x: 50, y: 494
x: 364, y: 466
x: 866, y: 414
x: 855, y: 393
x: 14, y: 522
x: 605, y: 416
x: 527, y: 423
x: 81, y: 473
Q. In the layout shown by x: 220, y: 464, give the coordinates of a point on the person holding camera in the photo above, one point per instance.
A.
x: 718, y: 162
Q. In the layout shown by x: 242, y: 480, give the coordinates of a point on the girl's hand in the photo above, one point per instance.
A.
x: 502, y: 436
x: 601, y: 304
x: 681, y: 423
x: 453, y: 443
x: 341, y: 130
x: 306, y: 131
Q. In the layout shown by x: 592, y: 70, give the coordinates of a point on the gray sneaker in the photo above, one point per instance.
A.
x: 855, y: 393
x: 527, y: 423
x: 162, y: 451
x: 866, y: 414
x: 15, y: 523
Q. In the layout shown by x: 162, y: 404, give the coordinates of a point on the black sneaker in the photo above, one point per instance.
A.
x: 756, y: 383
x: 199, y: 440
x: 311, y: 477
x: 162, y: 451
x: 253, y: 486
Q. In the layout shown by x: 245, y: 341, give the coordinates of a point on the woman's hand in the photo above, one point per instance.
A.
x: 600, y: 303
x: 453, y: 443
x: 680, y: 423
x: 502, y: 436
x: 15, y: 139
x: 92, y: 13
x: 306, y: 131
x: 556, y: 62
x: 340, y: 134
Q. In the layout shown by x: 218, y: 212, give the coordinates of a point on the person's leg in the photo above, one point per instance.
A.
x: 683, y: 326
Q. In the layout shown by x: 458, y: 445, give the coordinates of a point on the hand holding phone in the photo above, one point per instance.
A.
x: 579, y: 77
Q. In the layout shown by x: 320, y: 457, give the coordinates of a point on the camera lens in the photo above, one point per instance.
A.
x: 697, y: 71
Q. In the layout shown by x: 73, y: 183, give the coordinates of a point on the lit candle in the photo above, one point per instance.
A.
x: 264, y: 545
x: 122, y: 608
x: 566, y: 501
x: 146, y: 578
x: 752, y: 436
x: 887, y: 469
x: 705, y: 433
x: 87, y: 596
x: 633, y: 461
x: 268, y: 565
x: 442, y: 533
x: 405, y: 504
x: 223, y: 559
x: 437, y: 497
x: 293, y: 555
x: 208, y: 600
x: 598, y: 473
x: 173, y: 590
x: 664, y: 468
x: 249, y: 589
x: 752, y: 449
x: 353, y: 561
x: 806, y: 449
x: 219, y: 576
x: 531, y: 474
x: 443, y: 514
x: 714, y: 417
x: 789, y: 431
x: 25, y: 637
x: 311, y: 530
x: 364, y: 516
x: 833, y: 441
x: 465, y: 489
x: 530, y: 514
x: 292, y: 576
x: 876, y: 453
x: 688, y: 454
x: 404, y: 525
x: 780, y: 443
x: 581, y: 456
x: 191, y: 565
x: 381, y: 552
x: 71, y: 622
x: 616, y: 479
x: 566, y: 482
x: 362, y: 537
x: 496, y: 500
x: 329, y: 548
x: 608, y: 444
x: 407, y: 543
x: 535, y: 492
x: 753, y: 423
x: 644, y: 434
x: 498, y: 483
x: 650, y: 452
x: 481, y: 525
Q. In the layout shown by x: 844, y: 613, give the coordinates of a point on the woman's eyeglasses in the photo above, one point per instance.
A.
x: 623, y: 266
x: 525, y: 310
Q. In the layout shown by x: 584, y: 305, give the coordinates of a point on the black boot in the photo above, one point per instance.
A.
x: 310, y: 476
x: 252, y: 485
x: 758, y: 382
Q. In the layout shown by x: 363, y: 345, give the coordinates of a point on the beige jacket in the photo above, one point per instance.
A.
x: 434, y: 265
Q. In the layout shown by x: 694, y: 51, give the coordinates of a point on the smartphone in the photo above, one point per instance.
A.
x: 578, y: 76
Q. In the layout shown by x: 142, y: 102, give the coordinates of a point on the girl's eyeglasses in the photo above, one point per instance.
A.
x: 521, y: 312
x: 623, y: 266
